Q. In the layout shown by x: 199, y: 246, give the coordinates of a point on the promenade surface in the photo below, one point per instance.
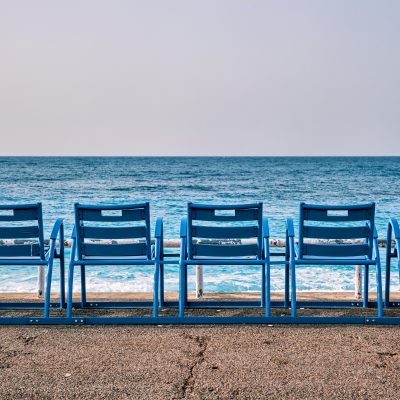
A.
x: 202, y: 362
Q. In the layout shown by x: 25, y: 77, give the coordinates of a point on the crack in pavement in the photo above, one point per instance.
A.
x: 189, y: 381
x: 6, y: 357
x: 27, y: 340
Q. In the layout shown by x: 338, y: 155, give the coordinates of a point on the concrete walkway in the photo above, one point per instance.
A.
x: 209, y: 362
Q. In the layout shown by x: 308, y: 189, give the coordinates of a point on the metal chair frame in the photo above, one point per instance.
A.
x: 204, y: 253
x: 393, y: 234
x: 90, y: 254
x: 335, y: 254
x: 31, y: 254
x: 154, y: 256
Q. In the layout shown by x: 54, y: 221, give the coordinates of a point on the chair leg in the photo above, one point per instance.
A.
x: 182, y: 268
x: 293, y: 291
x: 366, y: 281
x: 62, y: 281
x: 263, y: 272
x: 185, y: 285
x: 155, y: 290
x: 287, y: 281
x: 70, y: 289
x: 379, y: 290
x: 267, y: 291
x: 387, y: 283
x: 387, y: 276
x: 83, y: 286
x: 48, y: 291
x: 62, y: 268
x: 162, y: 300
x: 287, y: 274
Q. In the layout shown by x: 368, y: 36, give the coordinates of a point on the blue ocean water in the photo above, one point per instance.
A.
x: 170, y: 182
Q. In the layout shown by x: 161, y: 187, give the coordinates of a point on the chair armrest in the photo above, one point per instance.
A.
x: 183, y: 235
x: 395, y: 226
x: 290, y: 235
x: 265, y: 228
x: 183, y: 231
x: 290, y: 227
x: 157, y: 248
x: 56, y: 228
x: 375, y: 245
x: 73, y: 234
x: 159, y: 228
x: 265, y: 242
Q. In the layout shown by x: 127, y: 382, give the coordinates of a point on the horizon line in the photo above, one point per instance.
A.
x: 192, y: 156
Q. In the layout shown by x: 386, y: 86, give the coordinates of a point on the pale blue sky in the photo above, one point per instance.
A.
x: 207, y: 77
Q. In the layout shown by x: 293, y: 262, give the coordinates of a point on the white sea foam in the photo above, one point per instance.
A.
x: 216, y: 279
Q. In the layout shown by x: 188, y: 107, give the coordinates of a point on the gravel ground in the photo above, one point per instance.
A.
x: 207, y: 362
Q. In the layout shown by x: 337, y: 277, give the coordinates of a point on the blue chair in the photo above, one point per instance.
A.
x: 393, y: 230
x: 21, y: 231
x: 336, y: 223
x: 109, y: 223
x: 204, y: 237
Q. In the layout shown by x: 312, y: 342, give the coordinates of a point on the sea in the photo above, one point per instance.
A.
x: 168, y: 183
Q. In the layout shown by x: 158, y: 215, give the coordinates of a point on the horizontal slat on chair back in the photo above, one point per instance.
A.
x: 19, y: 232
x: 327, y: 215
x: 347, y: 232
x: 221, y: 232
x: 131, y: 232
x: 114, y: 250
x: 227, y: 222
x: 335, y: 250
x: 19, y: 213
x: 11, y: 219
x: 126, y: 215
x: 20, y: 250
x: 210, y: 215
x: 112, y: 222
x: 337, y: 223
x: 224, y: 251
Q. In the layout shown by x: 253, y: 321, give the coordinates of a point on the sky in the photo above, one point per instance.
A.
x: 209, y: 77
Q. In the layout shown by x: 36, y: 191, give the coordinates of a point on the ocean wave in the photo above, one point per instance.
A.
x: 216, y: 279
x: 120, y: 189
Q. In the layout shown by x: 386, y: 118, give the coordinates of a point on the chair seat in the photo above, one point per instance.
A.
x: 114, y: 258
x: 22, y: 260
x: 224, y: 261
x: 359, y: 258
x: 314, y: 260
x: 224, y: 258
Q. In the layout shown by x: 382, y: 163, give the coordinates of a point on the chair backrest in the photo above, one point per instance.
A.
x: 219, y: 224
x: 19, y: 222
x: 336, y: 224
x: 128, y: 223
